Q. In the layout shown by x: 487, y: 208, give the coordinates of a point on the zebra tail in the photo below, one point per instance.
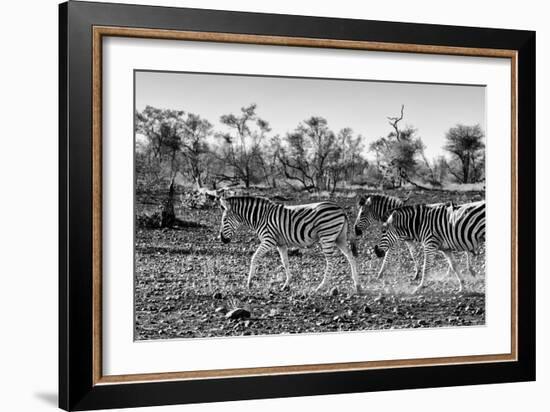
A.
x: 353, y: 242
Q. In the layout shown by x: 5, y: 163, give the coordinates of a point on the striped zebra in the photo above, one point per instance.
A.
x: 281, y: 226
x: 376, y: 208
x: 443, y: 227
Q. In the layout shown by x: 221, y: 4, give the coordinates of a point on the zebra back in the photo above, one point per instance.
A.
x: 455, y: 227
x: 250, y: 210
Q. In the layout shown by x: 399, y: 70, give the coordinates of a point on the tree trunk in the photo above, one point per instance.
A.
x: 168, y: 214
x: 466, y: 169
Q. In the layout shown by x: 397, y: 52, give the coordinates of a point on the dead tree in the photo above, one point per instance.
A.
x: 394, y: 121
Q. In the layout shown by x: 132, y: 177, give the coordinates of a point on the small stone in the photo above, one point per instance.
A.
x: 274, y: 312
x: 366, y: 309
x: 238, y: 313
x: 217, y: 295
x: 334, y: 291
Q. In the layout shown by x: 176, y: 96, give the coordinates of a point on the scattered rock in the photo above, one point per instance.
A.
x: 238, y: 313
x: 274, y: 312
x: 221, y: 309
x: 379, y: 299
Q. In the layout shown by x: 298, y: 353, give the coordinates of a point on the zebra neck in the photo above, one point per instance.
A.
x: 254, y: 216
x: 382, y: 212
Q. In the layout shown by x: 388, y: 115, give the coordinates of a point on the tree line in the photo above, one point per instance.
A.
x: 311, y: 157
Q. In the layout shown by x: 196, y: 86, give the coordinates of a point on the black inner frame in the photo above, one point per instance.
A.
x: 76, y: 389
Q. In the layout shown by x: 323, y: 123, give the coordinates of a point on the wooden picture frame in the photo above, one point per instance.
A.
x: 82, y: 385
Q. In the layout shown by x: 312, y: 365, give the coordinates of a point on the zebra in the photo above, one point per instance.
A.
x: 376, y: 208
x: 443, y: 227
x: 280, y: 226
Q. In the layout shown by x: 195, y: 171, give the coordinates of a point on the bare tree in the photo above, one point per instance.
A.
x: 397, y: 153
x: 241, y: 147
x: 162, y: 128
x: 466, y: 145
x: 195, y: 148
x: 308, y: 152
x: 394, y: 121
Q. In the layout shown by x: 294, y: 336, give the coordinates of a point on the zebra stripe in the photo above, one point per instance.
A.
x: 376, y: 208
x: 279, y: 226
x: 443, y: 227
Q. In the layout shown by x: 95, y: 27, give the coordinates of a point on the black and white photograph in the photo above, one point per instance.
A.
x: 281, y: 205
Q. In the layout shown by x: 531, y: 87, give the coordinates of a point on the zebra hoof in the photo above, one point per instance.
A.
x: 359, y: 290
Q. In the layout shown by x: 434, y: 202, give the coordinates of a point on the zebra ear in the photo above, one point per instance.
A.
x: 222, y: 202
x: 364, y: 200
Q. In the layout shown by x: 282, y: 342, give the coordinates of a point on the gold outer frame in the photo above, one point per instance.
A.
x: 101, y: 31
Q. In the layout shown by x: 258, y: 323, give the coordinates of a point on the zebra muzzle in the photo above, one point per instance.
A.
x: 358, y: 231
x: 379, y: 252
x: 224, y: 239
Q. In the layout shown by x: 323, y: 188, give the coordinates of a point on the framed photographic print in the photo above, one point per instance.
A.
x: 257, y: 205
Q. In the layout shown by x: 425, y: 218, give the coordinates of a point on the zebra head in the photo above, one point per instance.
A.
x: 389, y: 238
x: 365, y: 216
x: 230, y: 221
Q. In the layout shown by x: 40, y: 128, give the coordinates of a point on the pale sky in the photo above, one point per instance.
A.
x: 284, y: 102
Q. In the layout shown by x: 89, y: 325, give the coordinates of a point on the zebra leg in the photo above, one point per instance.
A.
x: 383, y: 267
x: 452, y: 266
x: 430, y: 248
x: 469, y: 265
x: 262, y: 250
x: 413, y: 257
x: 343, y: 246
x: 283, y: 252
x: 329, y: 252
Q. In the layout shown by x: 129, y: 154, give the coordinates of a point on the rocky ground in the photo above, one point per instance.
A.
x: 188, y: 284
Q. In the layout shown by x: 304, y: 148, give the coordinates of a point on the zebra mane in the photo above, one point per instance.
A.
x: 378, y: 199
x: 379, y: 196
x: 240, y: 199
x: 419, y: 206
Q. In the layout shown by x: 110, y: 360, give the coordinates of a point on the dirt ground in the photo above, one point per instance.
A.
x: 186, y: 281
